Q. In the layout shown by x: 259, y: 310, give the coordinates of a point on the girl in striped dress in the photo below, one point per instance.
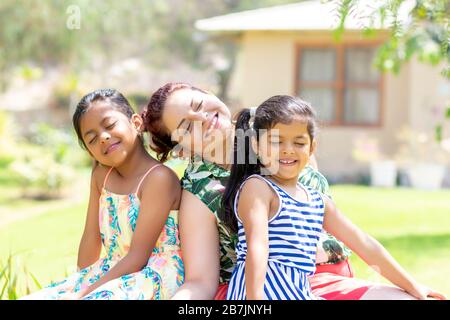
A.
x: 278, y: 220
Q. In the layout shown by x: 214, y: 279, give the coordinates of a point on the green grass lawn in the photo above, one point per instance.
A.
x: 413, y: 225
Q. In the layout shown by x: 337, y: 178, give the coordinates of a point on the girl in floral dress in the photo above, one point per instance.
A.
x: 137, y: 227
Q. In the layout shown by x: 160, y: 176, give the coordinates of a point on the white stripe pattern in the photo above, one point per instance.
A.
x: 293, y: 237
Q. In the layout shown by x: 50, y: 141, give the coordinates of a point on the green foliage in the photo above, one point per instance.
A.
x: 39, y: 170
x: 138, y: 101
x: 47, y: 162
x: 47, y: 136
x: 6, y: 140
x: 343, y: 10
x: 16, y: 280
x: 159, y: 31
x: 427, y: 35
x: 67, y: 91
x: 27, y: 72
x: 439, y: 135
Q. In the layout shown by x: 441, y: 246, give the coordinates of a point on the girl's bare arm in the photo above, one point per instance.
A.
x: 90, y: 244
x: 254, y: 210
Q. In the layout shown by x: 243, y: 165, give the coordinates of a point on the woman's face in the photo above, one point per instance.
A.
x: 197, y: 121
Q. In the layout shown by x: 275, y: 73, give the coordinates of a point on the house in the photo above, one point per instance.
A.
x: 290, y: 49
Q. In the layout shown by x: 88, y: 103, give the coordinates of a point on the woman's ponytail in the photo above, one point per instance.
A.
x: 162, y: 144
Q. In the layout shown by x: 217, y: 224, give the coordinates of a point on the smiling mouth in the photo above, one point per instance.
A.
x: 214, y: 123
x: 287, y: 162
x: 111, y: 148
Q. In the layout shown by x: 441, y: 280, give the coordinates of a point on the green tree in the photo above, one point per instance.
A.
x: 159, y: 31
x: 426, y: 35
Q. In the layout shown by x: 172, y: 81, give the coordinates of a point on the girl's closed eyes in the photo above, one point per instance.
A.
x: 108, y: 127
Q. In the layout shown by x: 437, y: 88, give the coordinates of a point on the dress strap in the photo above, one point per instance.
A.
x: 269, y: 183
x: 106, y: 177
x: 145, y: 175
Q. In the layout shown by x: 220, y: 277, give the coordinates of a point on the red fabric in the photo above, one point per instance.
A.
x: 221, y: 292
x: 337, y: 282
x: 341, y: 268
x: 331, y: 282
x: 331, y: 286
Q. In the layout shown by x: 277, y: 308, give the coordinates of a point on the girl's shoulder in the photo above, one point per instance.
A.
x: 98, y: 175
x: 257, y: 187
x: 160, y: 174
x: 162, y: 182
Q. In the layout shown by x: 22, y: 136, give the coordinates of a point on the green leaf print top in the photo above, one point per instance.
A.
x: 207, y: 182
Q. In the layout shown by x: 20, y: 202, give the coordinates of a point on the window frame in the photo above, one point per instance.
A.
x: 339, y: 84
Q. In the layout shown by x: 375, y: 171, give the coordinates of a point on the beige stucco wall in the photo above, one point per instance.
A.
x: 429, y: 93
x: 266, y: 66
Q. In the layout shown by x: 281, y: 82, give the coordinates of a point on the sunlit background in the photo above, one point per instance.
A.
x: 377, y: 75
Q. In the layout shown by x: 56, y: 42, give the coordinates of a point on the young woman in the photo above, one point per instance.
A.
x: 193, y: 116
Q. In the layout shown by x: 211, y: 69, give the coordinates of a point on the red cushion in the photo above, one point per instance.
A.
x: 221, y: 293
x: 341, y: 268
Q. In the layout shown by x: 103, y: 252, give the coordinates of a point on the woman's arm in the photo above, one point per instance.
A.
x: 153, y: 213
x: 372, y: 252
x: 90, y: 244
x: 199, y: 237
x: 254, y: 210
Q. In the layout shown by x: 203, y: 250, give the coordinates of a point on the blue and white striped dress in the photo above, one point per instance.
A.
x: 293, y: 237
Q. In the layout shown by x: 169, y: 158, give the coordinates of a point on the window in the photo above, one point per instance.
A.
x: 341, y: 83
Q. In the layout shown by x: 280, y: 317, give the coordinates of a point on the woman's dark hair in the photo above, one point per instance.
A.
x: 161, y: 141
x: 277, y: 109
x: 114, y: 98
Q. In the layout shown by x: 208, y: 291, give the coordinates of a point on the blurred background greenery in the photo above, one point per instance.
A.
x: 47, y: 63
x: 51, y: 54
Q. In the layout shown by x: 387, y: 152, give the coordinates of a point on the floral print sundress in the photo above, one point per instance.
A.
x: 158, y: 280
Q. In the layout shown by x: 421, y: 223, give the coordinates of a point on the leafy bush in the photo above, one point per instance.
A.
x: 138, y: 100
x: 61, y: 144
x: 6, y: 141
x: 47, y: 163
x: 67, y: 92
x: 36, y: 170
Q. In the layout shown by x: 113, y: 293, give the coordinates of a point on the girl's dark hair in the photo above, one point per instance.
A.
x: 161, y: 141
x: 114, y: 98
x: 277, y: 109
